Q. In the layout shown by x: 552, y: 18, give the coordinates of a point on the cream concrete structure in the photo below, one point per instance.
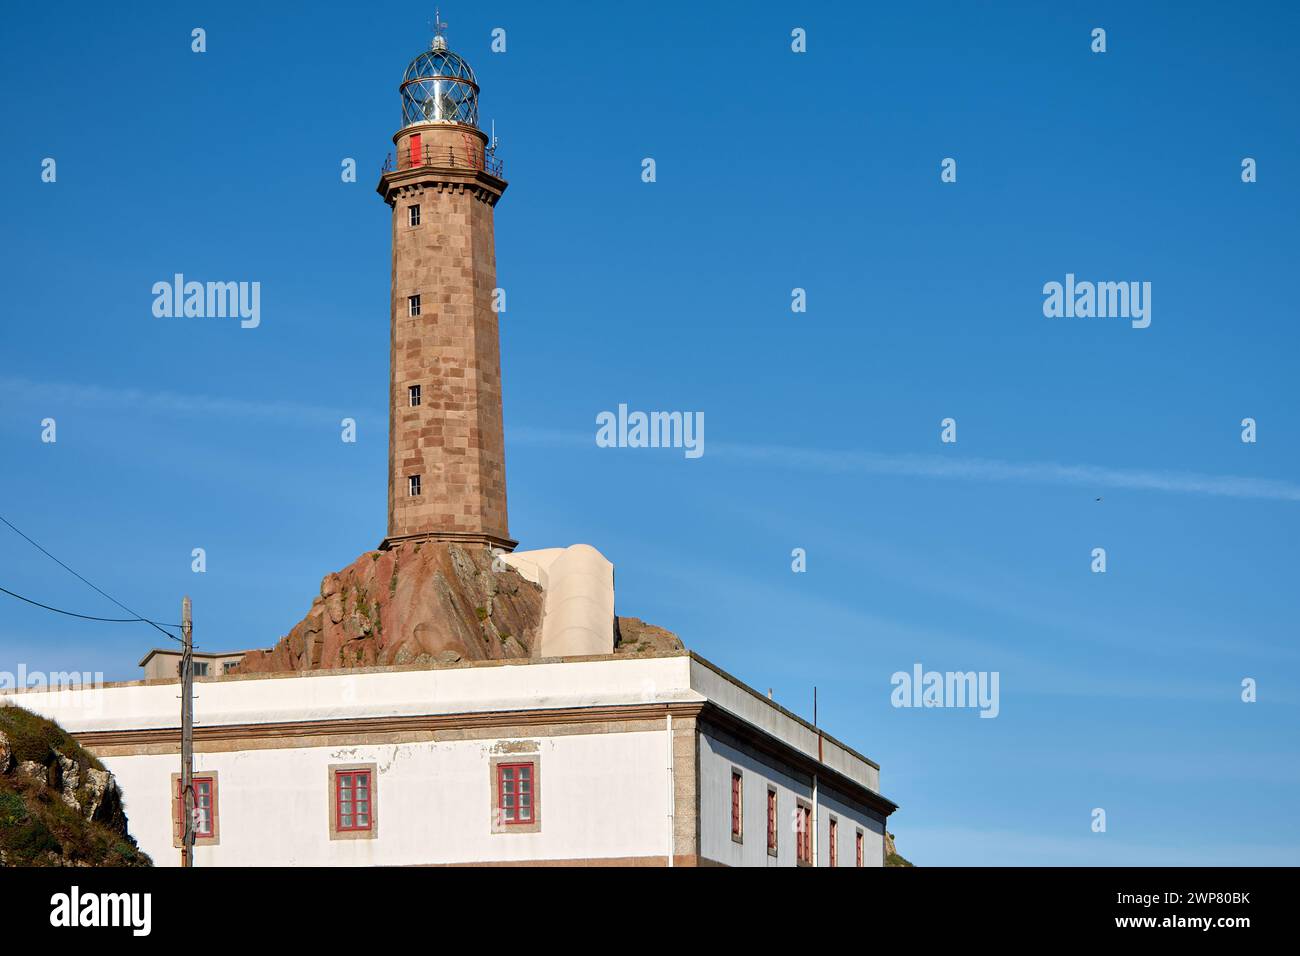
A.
x: 578, y: 609
x: 632, y: 762
x: 160, y: 664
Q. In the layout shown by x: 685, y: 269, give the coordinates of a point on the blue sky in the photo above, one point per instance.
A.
x: 775, y: 170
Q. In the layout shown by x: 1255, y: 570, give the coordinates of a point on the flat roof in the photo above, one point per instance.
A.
x: 756, y: 702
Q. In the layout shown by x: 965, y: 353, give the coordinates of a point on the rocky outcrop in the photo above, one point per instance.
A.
x: 634, y: 636
x: 58, y: 805
x: 891, y: 852
x: 416, y: 603
x: 427, y: 603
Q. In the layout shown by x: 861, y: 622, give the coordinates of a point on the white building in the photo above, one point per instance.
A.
x: 608, y: 759
x: 166, y: 662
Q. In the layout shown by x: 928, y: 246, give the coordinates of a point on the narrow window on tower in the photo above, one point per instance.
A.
x: 414, y: 393
x: 413, y: 485
x: 413, y: 303
x: 413, y: 214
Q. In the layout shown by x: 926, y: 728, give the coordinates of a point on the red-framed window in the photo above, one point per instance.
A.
x: 517, y: 792
x: 737, y: 804
x: 835, y: 842
x: 771, y: 820
x: 860, y: 848
x: 205, y: 805
x: 354, y: 800
x: 803, y: 836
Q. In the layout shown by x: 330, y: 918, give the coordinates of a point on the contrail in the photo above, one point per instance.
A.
x: 167, y: 402
x: 965, y: 469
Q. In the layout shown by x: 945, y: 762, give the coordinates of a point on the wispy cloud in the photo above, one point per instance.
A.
x: 780, y: 456
x: 13, y: 389
x: 991, y: 469
x: 967, y: 469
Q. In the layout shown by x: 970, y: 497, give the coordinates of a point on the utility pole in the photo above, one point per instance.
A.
x: 187, y: 735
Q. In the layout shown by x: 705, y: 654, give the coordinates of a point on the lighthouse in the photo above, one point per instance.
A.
x: 446, y: 444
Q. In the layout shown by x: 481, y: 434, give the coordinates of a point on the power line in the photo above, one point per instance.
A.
x: 84, y: 617
x: 138, y: 616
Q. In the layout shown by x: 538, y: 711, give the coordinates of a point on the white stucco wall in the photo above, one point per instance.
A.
x: 600, y: 796
x: 717, y: 759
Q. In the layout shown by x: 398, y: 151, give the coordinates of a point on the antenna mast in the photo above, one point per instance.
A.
x: 439, y: 41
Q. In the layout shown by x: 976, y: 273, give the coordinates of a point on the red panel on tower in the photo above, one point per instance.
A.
x: 417, y: 158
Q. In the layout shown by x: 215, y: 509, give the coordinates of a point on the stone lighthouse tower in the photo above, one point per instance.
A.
x: 446, y: 447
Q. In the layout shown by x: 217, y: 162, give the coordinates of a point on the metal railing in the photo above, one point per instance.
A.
x: 446, y: 157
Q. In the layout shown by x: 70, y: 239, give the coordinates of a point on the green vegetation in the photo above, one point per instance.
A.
x: 891, y: 853
x: 37, y: 826
x: 32, y: 738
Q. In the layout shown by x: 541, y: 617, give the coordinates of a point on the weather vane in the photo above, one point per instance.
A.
x: 439, y: 41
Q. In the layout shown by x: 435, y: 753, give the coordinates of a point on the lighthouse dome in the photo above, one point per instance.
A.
x: 439, y: 87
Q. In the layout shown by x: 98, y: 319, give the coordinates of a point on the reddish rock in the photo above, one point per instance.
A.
x: 635, y: 636
x: 416, y: 603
